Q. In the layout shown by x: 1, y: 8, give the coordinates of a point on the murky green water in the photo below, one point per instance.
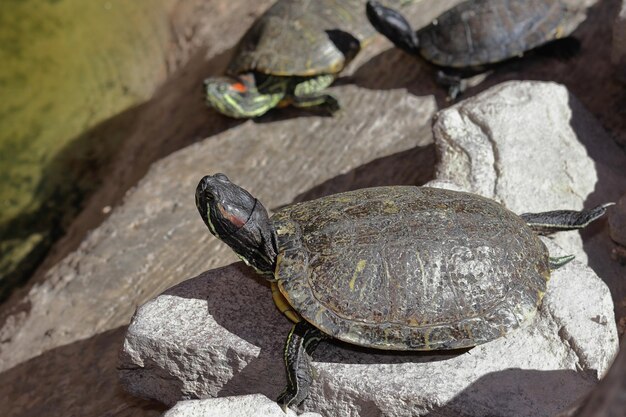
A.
x: 65, y: 67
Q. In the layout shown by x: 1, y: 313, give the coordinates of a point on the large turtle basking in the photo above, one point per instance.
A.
x: 289, y: 56
x: 396, y: 268
x: 476, y: 33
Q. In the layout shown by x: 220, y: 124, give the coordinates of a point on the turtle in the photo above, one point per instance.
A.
x: 400, y: 268
x: 289, y: 55
x: 477, y: 33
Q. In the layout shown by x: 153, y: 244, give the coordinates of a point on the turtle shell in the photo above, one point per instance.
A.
x: 479, y: 32
x: 408, y: 268
x: 303, y: 38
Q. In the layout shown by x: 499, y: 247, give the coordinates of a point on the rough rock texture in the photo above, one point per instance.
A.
x: 618, y: 54
x: 157, y: 239
x: 232, y: 345
x: 255, y: 405
x: 219, y: 334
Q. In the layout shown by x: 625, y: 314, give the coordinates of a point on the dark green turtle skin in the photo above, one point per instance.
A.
x: 289, y: 56
x: 476, y: 33
x: 394, y: 268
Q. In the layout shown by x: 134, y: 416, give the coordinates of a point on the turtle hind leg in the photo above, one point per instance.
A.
x: 301, y: 342
x: 454, y: 82
x: 555, y: 221
x: 457, y: 80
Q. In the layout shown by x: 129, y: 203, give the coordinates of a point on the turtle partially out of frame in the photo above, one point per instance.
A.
x: 477, y: 33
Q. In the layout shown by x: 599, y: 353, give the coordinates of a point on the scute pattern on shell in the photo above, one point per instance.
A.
x: 291, y: 38
x: 480, y: 32
x: 409, y: 268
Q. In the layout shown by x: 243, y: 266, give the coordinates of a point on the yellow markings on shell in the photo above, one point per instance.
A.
x: 283, y: 305
x: 559, y: 32
x: 360, y: 266
x: 427, y: 339
x: 390, y: 207
x: 286, y: 229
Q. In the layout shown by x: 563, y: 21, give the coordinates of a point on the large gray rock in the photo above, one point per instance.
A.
x: 254, y: 405
x: 495, y: 144
x: 618, y: 54
x: 220, y: 334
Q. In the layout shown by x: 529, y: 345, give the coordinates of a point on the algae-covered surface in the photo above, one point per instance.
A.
x: 67, y: 66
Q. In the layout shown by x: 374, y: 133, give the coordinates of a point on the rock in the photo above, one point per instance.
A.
x: 618, y: 53
x: 220, y: 334
x: 254, y: 405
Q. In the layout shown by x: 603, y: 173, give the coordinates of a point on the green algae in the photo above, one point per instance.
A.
x: 67, y: 67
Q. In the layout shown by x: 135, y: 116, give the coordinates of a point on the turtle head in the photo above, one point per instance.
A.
x: 239, y: 220
x: 238, y: 98
x: 393, y: 26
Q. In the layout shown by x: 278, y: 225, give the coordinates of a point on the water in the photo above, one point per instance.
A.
x: 66, y: 66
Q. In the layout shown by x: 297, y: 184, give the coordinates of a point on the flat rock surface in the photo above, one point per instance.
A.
x: 254, y: 405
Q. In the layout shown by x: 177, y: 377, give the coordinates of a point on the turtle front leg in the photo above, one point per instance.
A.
x: 301, y: 342
x: 554, y: 221
x: 455, y: 83
x: 307, y: 94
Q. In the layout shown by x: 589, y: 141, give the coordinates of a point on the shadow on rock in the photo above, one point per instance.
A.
x: 537, y: 393
x: 414, y: 166
x: 410, y: 72
x: 609, y: 160
x: 78, y: 379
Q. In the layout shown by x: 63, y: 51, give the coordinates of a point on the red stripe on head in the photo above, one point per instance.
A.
x: 239, y: 87
x: 234, y: 220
